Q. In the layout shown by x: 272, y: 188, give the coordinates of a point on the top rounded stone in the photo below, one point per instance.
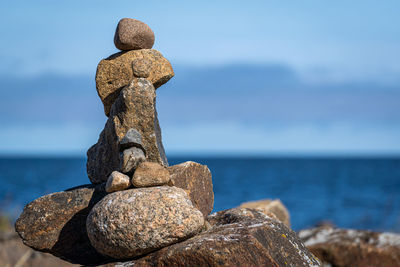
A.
x: 132, y: 34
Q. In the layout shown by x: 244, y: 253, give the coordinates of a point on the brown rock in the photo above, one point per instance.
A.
x: 134, y: 222
x: 56, y: 224
x: 115, y: 72
x: 196, y: 180
x: 132, y: 34
x: 135, y: 108
x: 238, y: 237
x: 117, y: 181
x: 270, y: 206
x: 131, y: 158
x: 150, y: 174
x: 355, y: 248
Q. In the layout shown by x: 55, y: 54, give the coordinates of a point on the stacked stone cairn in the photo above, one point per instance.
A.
x: 139, y: 209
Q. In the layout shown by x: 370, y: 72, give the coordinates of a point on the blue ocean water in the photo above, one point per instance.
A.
x: 362, y: 193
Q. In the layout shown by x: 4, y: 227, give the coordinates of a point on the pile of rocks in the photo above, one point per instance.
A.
x: 355, y: 248
x: 137, y: 206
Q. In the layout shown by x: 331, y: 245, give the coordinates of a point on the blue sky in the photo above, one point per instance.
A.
x: 347, y: 38
x: 341, y: 56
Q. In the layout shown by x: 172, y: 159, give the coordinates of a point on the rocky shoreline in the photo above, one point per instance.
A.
x: 349, y: 247
x: 333, y: 246
x: 138, y: 210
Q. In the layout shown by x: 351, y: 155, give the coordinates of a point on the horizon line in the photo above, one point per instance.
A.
x: 222, y: 154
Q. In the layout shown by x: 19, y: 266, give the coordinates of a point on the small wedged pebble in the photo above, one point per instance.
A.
x: 130, y: 159
x: 132, y: 138
x: 117, y: 181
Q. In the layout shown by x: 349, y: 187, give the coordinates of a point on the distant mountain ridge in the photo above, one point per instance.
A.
x: 243, y: 92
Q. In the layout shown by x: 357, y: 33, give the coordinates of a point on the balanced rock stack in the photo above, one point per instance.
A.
x: 138, y: 208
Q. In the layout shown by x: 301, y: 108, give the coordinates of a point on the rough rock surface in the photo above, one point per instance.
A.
x: 115, y: 72
x: 117, y: 181
x: 130, y: 158
x: 238, y: 237
x: 150, y: 174
x: 135, y: 108
x: 134, y: 222
x: 56, y: 224
x: 196, y: 180
x: 141, y: 68
x: 132, y: 34
x: 274, y: 206
x: 355, y: 248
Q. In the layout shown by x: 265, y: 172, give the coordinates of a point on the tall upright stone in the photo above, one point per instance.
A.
x: 135, y: 108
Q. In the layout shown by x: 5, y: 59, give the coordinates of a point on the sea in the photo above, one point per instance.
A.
x: 360, y: 193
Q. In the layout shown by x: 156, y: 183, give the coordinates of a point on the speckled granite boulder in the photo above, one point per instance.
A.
x: 267, y: 205
x: 355, y: 248
x: 196, y: 180
x: 134, y: 222
x: 132, y: 34
x: 116, y: 72
x: 56, y: 223
x: 135, y: 108
x: 238, y: 237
